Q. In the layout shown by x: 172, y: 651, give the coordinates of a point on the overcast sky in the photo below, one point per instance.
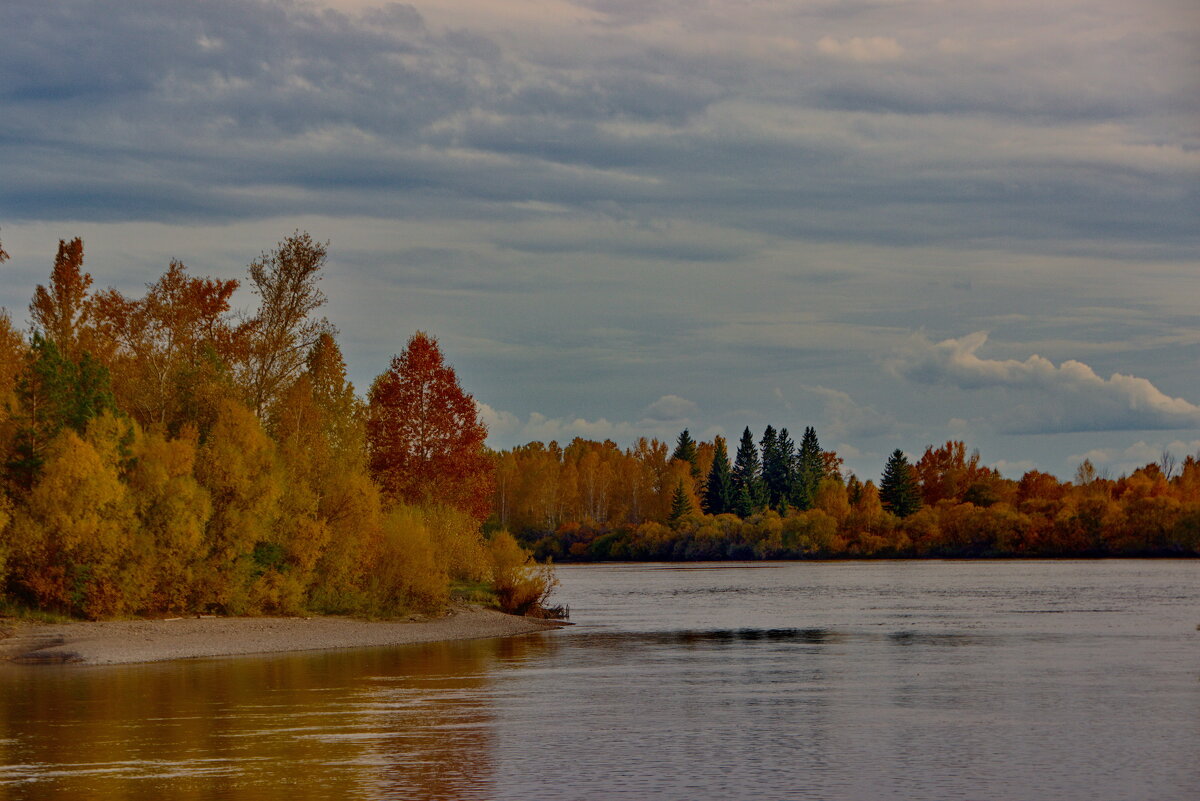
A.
x: 898, y: 221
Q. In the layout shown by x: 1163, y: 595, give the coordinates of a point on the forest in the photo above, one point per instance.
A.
x: 593, y: 501
x: 166, y: 454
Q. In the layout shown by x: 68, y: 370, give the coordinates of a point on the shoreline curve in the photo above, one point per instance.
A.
x: 124, y: 642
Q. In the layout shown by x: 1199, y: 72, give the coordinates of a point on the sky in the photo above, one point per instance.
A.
x: 898, y: 221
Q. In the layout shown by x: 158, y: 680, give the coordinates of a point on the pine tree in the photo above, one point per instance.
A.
x: 898, y: 489
x: 747, y: 477
x: 719, y: 492
x: 681, y: 504
x: 810, y: 469
x: 776, y: 450
x: 685, y: 451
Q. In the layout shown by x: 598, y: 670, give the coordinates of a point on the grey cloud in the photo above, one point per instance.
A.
x: 843, y: 417
x: 223, y: 110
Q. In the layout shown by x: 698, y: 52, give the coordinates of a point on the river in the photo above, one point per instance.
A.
x: 844, y: 680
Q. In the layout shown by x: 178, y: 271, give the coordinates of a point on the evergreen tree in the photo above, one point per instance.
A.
x: 776, y: 450
x: 685, y: 451
x: 743, y: 504
x: 54, y: 393
x: 747, y: 477
x: 681, y: 504
x: 719, y: 494
x: 810, y: 469
x: 898, y: 489
x: 854, y: 490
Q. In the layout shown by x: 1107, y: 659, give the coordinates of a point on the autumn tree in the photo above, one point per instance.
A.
x: 283, y: 330
x: 61, y: 311
x: 947, y: 472
x: 238, y: 468
x: 13, y: 352
x: 72, y: 538
x: 172, y: 511
x: 898, y: 489
x: 170, y: 351
x: 424, y: 436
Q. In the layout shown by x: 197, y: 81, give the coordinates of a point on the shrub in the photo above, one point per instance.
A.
x: 522, y: 585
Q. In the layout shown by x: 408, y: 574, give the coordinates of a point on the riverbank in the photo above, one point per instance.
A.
x: 120, y: 642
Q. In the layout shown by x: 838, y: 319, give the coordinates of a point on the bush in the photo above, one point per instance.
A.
x: 522, y: 585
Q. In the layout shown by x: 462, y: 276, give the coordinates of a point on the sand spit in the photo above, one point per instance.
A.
x: 129, y: 641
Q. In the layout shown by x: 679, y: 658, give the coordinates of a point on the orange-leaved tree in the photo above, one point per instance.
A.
x: 424, y: 436
x: 63, y: 311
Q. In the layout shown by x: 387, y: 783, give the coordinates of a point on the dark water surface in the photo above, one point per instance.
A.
x: 873, y: 680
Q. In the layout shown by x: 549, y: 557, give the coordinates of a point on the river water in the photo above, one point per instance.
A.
x: 847, y: 680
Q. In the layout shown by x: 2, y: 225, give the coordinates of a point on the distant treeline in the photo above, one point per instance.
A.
x: 593, y: 501
x: 164, y: 454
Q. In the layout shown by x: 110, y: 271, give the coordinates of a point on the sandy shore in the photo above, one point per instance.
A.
x: 129, y: 641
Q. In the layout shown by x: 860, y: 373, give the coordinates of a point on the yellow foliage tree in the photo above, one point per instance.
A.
x: 457, y: 543
x: 351, y: 507
x: 71, y: 541
x: 406, y: 574
x: 237, y: 465
x: 172, y: 510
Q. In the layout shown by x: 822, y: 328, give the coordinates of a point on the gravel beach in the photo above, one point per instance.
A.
x: 130, y: 641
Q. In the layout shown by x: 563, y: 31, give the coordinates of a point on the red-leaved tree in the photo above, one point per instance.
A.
x: 424, y: 437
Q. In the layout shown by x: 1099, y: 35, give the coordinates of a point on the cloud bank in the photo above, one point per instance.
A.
x: 1069, y: 397
x: 596, y: 203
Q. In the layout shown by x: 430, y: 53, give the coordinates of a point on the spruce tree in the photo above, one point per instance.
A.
x: 898, y: 489
x: 810, y: 469
x: 685, y: 451
x: 777, y: 450
x: 719, y: 493
x: 747, y: 477
x: 743, y: 505
x: 54, y: 392
x: 681, y: 504
x: 786, y: 481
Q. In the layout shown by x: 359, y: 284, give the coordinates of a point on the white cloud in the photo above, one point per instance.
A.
x: 1050, y: 398
x: 505, y: 429
x: 1123, y: 461
x: 868, y: 49
x: 671, y: 408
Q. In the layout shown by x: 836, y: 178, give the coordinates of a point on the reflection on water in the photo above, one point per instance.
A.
x: 411, y: 722
x: 1037, y: 680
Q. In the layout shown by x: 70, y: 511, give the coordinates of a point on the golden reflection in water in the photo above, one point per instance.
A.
x: 411, y: 722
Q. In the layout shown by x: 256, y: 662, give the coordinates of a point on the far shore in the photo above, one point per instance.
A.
x: 119, y: 642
